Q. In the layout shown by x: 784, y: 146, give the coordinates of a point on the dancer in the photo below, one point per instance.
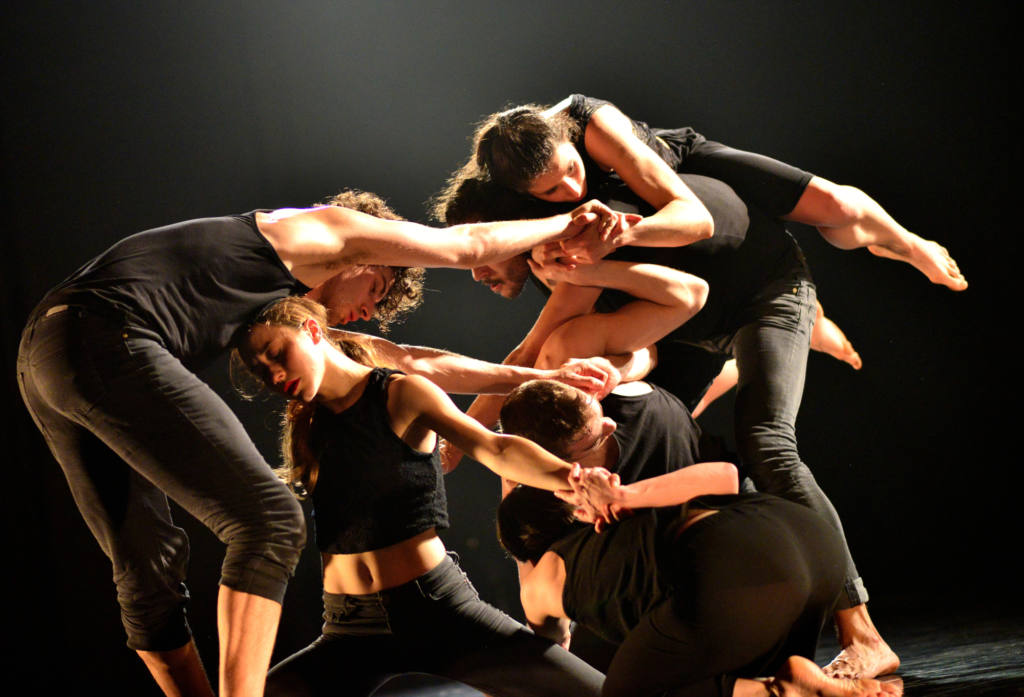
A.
x: 566, y: 152
x: 106, y: 367
x: 702, y: 598
x: 362, y: 441
x: 760, y: 309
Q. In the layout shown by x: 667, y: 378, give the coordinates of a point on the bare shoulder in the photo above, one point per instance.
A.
x: 541, y: 591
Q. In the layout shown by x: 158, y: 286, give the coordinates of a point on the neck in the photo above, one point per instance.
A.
x: 343, y: 381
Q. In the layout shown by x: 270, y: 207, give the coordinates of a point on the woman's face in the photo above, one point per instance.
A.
x: 288, y: 361
x: 564, y: 180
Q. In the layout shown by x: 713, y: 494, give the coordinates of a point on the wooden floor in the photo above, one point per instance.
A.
x: 967, y: 653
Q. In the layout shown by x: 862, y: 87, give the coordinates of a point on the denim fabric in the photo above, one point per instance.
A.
x: 771, y: 354
x: 130, y: 426
x: 435, y: 624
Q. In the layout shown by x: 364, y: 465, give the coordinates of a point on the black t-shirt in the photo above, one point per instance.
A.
x: 373, y: 489
x: 195, y: 285
x: 655, y: 434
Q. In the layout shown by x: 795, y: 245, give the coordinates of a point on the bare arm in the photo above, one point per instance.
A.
x: 681, y: 218
x: 459, y: 374
x: 723, y: 382
x: 419, y: 404
x: 666, y: 298
x: 597, y: 489
x: 314, y: 243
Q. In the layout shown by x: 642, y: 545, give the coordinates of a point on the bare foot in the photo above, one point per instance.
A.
x: 930, y: 258
x: 799, y: 677
x: 859, y: 660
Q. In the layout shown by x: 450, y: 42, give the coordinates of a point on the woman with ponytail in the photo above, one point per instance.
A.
x: 361, y: 442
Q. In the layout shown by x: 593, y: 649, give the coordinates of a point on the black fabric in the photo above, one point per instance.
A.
x: 654, y: 432
x: 373, y: 490
x: 172, y: 280
x: 733, y: 595
x: 748, y: 251
x: 435, y: 624
x: 773, y: 186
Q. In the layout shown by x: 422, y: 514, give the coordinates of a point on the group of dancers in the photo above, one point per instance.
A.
x: 668, y: 270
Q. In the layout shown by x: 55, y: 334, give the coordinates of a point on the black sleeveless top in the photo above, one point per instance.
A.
x: 614, y: 578
x: 373, y: 490
x: 673, y: 145
x: 655, y: 434
x: 194, y: 285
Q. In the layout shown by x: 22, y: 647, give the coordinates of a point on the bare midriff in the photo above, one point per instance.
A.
x: 379, y: 569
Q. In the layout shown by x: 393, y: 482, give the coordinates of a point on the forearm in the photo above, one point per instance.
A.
x: 497, y: 241
x: 705, y: 478
x: 678, y: 223
x: 463, y: 375
x: 523, y: 461
x: 652, y: 282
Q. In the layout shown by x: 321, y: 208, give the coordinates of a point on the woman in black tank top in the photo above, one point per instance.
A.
x: 362, y: 441
x: 561, y: 153
x: 701, y: 598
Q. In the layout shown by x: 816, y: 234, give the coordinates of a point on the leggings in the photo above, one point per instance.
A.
x: 435, y: 624
x: 130, y: 426
x: 751, y: 585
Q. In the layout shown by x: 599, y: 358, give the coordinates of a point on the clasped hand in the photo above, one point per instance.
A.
x: 597, y: 496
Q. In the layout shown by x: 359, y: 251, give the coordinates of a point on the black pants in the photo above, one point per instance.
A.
x: 752, y: 585
x: 435, y: 624
x: 130, y: 426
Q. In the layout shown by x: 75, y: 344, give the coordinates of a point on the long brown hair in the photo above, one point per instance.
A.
x: 301, y: 466
x: 515, y: 146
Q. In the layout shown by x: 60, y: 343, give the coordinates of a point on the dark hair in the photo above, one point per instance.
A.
x: 549, y: 413
x: 530, y: 520
x: 515, y: 146
x: 301, y: 466
x: 406, y: 292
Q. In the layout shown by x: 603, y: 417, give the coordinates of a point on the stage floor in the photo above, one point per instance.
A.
x: 966, y: 653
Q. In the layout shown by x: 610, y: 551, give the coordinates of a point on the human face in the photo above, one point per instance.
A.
x: 288, y: 361
x: 564, y: 179
x: 506, y: 278
x: 591, y: 444
x: 353, y: 294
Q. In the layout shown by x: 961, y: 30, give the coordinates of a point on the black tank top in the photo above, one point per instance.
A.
x: 373, y: 490
x: 194, y: 285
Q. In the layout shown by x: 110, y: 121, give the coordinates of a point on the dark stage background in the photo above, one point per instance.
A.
x: 124, y: 116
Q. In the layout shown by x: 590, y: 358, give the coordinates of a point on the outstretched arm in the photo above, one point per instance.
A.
x: 314, y: 242
x: 596, y: 489
x: 459, y: 374
x: 421, y: 405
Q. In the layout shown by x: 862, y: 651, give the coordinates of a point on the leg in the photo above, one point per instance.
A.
x: 828, y: 338
x: 129, y: 424
x: 848, y: 218
x: 771, y: 355
x: 179, y: 673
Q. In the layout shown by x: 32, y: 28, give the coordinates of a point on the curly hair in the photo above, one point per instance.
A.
x: 515, y: 146
x: 549, y: 413
x: 406, y: 292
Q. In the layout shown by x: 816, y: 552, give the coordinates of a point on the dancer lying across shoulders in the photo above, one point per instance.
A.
x: 702, y: 597
x: 362, y: 441
x: 565, y: 153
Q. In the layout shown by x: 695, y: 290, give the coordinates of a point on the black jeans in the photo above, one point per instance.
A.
x: 435, y: 624
x: 130, y: 426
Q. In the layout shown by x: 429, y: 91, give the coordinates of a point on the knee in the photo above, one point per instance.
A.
x: 263, y: 552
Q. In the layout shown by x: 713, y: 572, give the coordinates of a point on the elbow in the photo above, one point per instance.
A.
x: 730, y: 477
x: 472, y: 249
x: 692, y: 297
